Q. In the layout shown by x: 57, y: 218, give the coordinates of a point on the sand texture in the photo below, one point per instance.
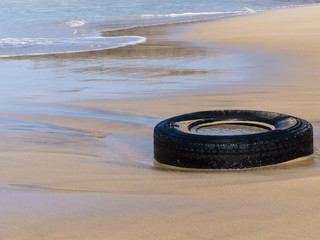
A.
x: 94, y: 178
x: 294, y: 31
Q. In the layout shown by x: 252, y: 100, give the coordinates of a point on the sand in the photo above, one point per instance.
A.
x: 95, y: 179
x: 293, y: 32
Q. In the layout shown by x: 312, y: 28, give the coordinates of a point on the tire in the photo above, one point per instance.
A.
x: 284, y: 138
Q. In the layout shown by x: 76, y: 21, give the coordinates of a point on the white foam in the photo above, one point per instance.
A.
x: 14, y: 47
x: 249, y: 10
x: 190, y: 14
x: 181, y: 14
x: 74, y: 23
x: 12, y: 42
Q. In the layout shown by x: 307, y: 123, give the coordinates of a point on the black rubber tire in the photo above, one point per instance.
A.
x: 289, y: 139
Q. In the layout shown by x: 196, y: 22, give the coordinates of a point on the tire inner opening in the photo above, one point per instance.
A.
x: 230, y: 128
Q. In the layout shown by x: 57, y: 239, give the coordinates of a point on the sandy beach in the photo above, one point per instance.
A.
x: 94, y: 178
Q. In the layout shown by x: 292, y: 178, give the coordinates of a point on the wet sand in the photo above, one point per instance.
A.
x: 93, y: 178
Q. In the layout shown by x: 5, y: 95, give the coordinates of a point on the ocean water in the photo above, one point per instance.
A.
x: 43, y: 26
x: 38, y: 36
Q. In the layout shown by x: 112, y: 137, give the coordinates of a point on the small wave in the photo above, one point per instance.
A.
x: 12, y: 42
x: 193, y: 14
x: 249, y: 10
x: 182, y: 14
x: 73, y: 23
x: 15, y: 47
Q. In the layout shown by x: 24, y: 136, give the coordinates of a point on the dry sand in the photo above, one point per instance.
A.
x: 73, y: 184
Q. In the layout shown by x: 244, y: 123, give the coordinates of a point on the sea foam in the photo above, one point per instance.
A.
x: 73, y: 23
x: 183, y: 14
x: 244, y: 10
x: 12, y: 47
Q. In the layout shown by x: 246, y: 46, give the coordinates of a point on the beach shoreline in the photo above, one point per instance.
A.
x: 290, y: 31
x: 89, y: 177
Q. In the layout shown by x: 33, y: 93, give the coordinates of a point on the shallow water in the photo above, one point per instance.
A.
x: 154, y: 65
x: 157, y: 67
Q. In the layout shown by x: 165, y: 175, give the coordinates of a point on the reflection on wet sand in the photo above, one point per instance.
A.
x: 158, y: 66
